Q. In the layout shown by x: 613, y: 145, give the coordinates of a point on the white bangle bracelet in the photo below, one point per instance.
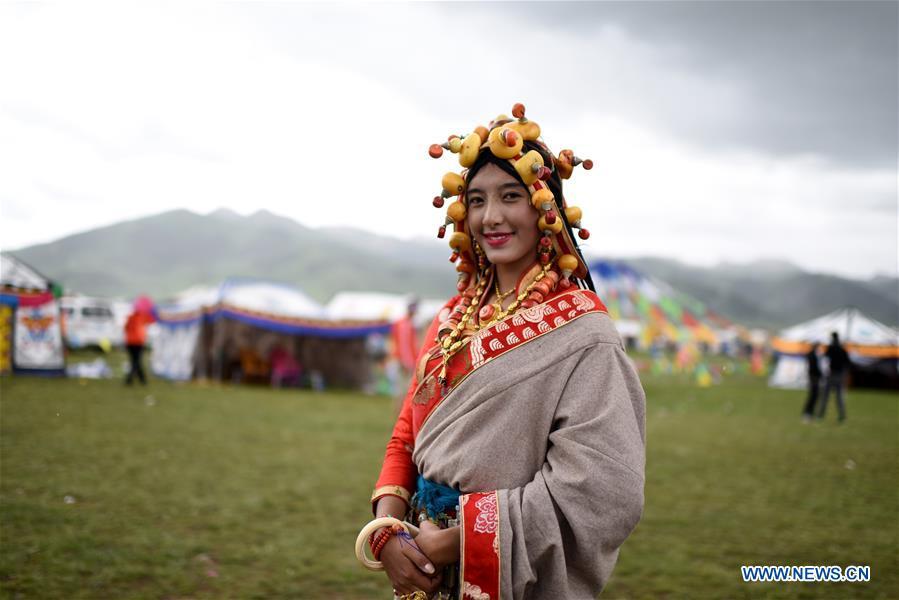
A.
x: 362, y: 539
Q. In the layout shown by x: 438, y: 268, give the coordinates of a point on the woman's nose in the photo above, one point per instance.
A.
x: 492, y: 213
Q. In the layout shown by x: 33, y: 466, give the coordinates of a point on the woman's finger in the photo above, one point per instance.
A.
x: 414, y: 553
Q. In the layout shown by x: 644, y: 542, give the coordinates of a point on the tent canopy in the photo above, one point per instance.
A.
x: 859, y: 333
x: 380, y: 306
x: 16, y: 274
x: 270, y: 305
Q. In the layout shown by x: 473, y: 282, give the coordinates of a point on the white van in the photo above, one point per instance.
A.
x: 90, y: 322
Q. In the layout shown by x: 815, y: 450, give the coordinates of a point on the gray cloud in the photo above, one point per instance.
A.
x: 817, y: 77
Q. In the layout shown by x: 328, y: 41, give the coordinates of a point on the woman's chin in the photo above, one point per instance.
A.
x: 503, y: 257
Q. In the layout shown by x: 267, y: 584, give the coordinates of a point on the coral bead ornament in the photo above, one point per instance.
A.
x: 436, y: 151
x: 505, y: 142
x: 584, y: 234
x: 437, y: 202
x: 545, y: 225
x: 567, y: 264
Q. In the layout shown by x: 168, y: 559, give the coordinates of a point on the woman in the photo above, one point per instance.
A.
x: 520, y: 445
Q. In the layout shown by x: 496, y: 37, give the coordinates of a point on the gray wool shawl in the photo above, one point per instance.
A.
x: 557, y: 427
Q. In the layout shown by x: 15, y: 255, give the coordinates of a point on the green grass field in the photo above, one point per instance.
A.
x: 183, y: 491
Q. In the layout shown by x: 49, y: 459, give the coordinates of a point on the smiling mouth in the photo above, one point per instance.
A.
x: 496, y: 240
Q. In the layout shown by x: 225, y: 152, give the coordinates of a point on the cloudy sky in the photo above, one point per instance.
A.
x: 728, y: 131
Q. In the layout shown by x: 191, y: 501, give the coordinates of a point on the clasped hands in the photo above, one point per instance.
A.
x: 417, y: 563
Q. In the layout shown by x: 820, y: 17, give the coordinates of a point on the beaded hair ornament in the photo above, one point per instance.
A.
x: 505, y: 138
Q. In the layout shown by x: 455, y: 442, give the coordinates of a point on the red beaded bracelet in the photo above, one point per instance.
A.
x: 382, y: 540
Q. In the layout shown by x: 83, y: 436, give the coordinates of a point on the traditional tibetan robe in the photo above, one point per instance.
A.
x: 540, y: 426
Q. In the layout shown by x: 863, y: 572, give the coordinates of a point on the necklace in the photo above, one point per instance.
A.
x: 500, y: 296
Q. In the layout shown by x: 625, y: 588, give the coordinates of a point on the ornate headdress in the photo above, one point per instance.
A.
x: 506, y: 139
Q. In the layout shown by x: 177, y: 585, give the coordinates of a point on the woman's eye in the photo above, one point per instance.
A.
x: 511, y: 196
x: 474, y: 201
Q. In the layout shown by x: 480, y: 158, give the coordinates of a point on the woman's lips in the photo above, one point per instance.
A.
x: 495, y: 240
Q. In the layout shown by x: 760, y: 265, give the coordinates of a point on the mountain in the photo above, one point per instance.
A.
x: 166, y: 253
x: 775, y: 293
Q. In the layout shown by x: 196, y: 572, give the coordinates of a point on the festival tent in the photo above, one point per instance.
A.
x: 873, y: 349
x: 30, y: 326
x: 240, y: 329
x: 379, y: 306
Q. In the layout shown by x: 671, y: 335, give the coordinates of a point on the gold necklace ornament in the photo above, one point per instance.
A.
x: 500, y: 297
x: 448, y: 336
x: 533, y: 294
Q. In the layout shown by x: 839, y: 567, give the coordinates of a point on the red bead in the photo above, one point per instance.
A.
x: 544, y: 259
x: 486, y: 313
x: 435, y: 151
x: 450, y: 138
x: 544, y: 173
x: 546, y: 242
x: 564, y: 283
x: 469, y: 294
x: 583, y: 234
x: 442, y: 231
x: 463, y: 283
x: 510, y: 138
x: 518, y: 110
x: 528, y: 303
x: 437, y: 202
x: 550, y: 217
x: 536, y: 297
x: 454, y: 257
x: 588, y: 164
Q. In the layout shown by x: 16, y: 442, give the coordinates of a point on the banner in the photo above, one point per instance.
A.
x: 173, y: 349
x: 6, y: 313
x: 37, y: 336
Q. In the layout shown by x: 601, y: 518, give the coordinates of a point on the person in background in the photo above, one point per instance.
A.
x: 838, y: 360
x: 405, y: 349
x: 814, y: 383
x: 135, y: 340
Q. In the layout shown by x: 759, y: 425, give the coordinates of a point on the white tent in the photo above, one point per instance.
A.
x: 204, y: 332
x: 380, y: 306
x: 16, y: 274
x: 868, y: 342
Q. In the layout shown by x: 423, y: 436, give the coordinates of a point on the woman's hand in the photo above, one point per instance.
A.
x: 440, y: 545
x: 408, y: 568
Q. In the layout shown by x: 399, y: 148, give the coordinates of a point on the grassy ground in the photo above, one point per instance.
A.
x: 181, y: 491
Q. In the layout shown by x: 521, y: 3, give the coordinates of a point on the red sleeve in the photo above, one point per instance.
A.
x: 398, y: 472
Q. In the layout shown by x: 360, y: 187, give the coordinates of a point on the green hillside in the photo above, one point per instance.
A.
x: 775, y: 294
x: 166, y: 253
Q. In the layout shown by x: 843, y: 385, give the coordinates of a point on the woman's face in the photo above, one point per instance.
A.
x: 501, y: 218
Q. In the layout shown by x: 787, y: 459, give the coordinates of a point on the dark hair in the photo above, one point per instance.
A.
x: 554, y: 183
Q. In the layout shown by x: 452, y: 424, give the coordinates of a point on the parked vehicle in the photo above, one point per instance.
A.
x: 90, y: 322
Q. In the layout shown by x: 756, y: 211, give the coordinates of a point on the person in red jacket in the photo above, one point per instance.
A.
x: 135, y: 340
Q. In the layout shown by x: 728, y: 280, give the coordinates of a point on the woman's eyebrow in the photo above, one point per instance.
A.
x: 503, y: 186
